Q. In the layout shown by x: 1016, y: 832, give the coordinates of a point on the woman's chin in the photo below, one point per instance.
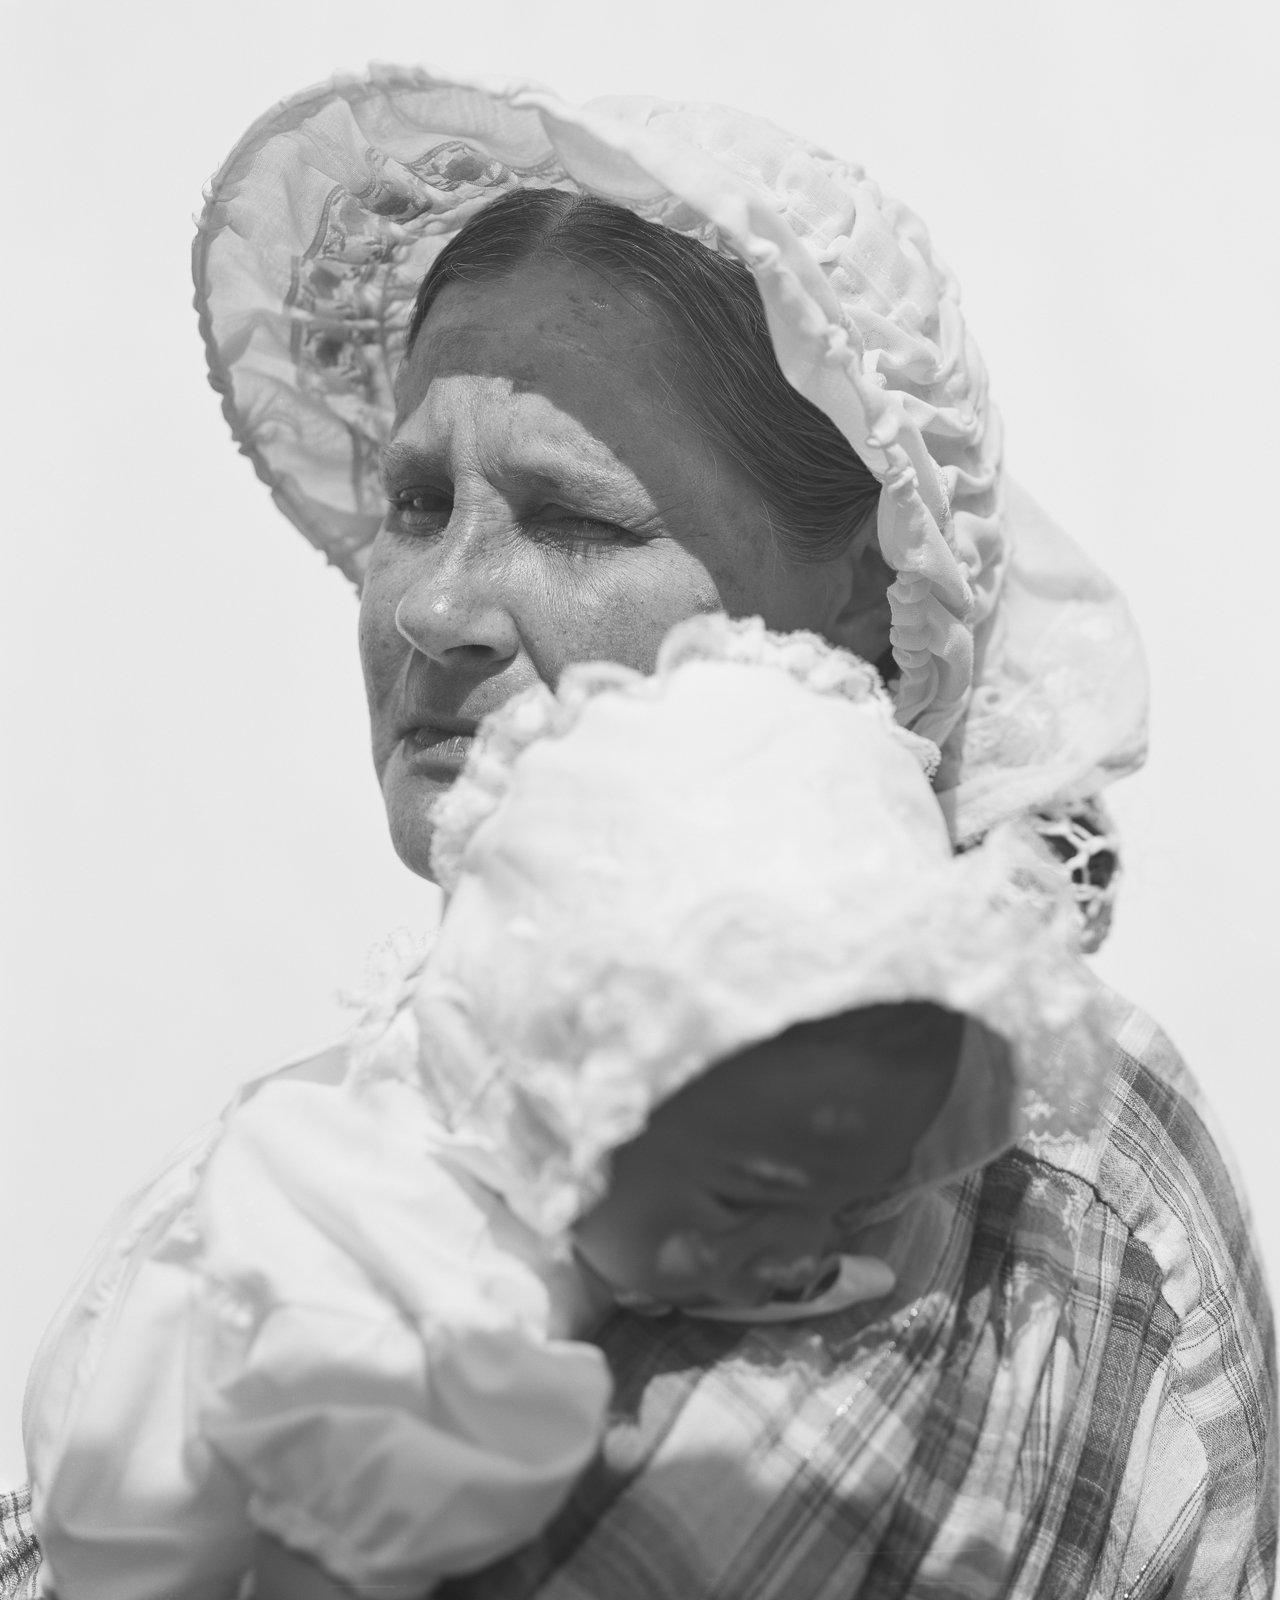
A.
x: 409, y: 799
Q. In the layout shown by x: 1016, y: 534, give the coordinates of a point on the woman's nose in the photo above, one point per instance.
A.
x: 455, y: 612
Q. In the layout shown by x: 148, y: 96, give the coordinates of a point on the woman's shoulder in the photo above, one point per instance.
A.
x: 159, y: 1201
x: 1139, y: 1235
x: 155, y: 1216
x: 1138, y: 1208
x: 1156, y: 1163
x: 1145, y: 1228
x: 356, y: 1169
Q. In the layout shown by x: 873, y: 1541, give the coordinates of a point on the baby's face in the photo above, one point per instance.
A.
x: 729, y: 1194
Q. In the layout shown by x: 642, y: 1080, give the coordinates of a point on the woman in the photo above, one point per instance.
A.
x: 584, y: 441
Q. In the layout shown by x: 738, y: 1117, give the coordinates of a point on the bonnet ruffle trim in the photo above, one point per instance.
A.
x: 540, y: 713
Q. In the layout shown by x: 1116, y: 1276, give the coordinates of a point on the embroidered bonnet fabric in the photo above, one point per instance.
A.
x: 1015, y: 653
x: 647, y: 874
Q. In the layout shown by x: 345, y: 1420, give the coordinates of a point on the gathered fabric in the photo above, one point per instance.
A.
x: 1015, y: 653
x: 316, y: 1324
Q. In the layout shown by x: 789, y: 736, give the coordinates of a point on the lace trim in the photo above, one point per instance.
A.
x: 1084, y: 839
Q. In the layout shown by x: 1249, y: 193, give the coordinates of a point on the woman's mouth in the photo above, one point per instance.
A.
x: 436, y: 752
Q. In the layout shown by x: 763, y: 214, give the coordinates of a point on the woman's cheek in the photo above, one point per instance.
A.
x: 617, y: 607
x: 381, y: 646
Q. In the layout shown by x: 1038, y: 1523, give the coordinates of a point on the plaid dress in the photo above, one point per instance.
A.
x: 1070, y: 1394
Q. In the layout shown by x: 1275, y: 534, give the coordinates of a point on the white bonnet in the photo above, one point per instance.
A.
x: 648, y: 874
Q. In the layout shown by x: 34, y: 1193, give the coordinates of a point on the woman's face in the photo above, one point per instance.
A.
x: 550, y: 500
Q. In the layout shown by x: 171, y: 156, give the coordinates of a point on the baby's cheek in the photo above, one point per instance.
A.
x: 621, y: 1241
x: 684, y: 1257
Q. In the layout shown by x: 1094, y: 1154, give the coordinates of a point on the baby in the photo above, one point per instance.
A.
x: 709, y: 980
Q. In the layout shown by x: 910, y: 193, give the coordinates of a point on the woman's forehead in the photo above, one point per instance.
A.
x: 595, y: 361
x: 570, y: 308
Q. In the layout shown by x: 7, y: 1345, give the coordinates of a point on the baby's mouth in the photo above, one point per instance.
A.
x: 817, y: 1286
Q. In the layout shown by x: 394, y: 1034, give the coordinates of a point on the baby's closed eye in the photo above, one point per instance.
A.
x: 735, y: 1208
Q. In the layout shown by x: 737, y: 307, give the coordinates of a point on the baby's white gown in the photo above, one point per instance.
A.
x: 316, y: 1322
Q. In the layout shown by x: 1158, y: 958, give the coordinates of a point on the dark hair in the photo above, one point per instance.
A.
x: 811, y: 481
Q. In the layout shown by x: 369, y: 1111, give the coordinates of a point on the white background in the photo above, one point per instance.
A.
x: 193, y: 859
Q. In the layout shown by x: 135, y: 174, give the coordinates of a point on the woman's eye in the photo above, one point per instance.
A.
x: 577, y: 533
x: 417, y: 509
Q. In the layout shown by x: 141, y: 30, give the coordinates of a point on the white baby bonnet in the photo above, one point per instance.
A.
x: 1015, y: 653
x: 648, y: 874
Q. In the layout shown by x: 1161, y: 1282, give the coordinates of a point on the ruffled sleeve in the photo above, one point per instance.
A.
x: 127, y: 1503
x: 381, y: 1367
x: 309, y: 1324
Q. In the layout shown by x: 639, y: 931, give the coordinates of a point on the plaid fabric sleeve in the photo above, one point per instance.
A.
x: 1217, y: 1416
x: 19, y: 1556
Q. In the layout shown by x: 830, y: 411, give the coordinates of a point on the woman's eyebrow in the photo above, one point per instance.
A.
x: 400, y: 462
x: 598, y: 486
x: 602, y: 487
